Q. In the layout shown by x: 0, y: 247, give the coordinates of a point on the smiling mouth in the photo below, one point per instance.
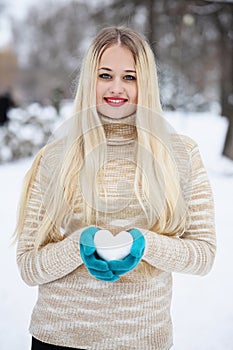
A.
x: 115, y: 101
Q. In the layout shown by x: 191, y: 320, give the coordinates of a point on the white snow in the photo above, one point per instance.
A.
x: 201, y: 307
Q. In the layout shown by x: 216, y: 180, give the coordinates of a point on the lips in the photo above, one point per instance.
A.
x: 115, y: 101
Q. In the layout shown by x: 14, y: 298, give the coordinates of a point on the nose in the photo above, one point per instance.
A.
x: 116, y: 87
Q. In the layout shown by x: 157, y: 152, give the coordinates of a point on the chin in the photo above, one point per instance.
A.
x: 116, y: 112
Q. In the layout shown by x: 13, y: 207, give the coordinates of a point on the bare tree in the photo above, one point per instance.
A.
x: 192, y: 41
x: 225, y: 25
x: 51, y: 41
x: 220, y: 12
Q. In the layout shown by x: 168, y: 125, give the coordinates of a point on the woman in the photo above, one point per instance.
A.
x: 118, y: 168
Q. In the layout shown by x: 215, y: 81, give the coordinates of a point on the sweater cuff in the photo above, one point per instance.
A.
x: 75, y: 236
x: 150, y: 238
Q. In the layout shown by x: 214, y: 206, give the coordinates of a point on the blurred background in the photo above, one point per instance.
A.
x: 41, y: 48
x: 42, y: 44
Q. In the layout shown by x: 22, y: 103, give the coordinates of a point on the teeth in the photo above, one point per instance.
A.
x: 115, y: 101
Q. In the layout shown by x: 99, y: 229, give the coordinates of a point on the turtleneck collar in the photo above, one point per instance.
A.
x: 119, y: 131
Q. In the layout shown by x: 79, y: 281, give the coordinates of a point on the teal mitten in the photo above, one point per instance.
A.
x: 96, y: 266
x: 120, y: 267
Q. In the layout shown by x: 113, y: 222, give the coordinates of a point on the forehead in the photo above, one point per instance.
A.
x: 117, y: 56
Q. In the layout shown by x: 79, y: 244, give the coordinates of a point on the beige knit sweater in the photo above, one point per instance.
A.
x: 76, y: 310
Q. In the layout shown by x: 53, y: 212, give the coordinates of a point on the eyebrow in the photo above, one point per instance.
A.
x: 110, y: 70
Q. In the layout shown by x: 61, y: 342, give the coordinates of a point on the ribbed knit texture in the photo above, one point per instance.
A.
x: 76, y: 310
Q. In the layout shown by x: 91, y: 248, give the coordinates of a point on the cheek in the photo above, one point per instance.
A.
x: 135, y: 94
x: 99, y: 91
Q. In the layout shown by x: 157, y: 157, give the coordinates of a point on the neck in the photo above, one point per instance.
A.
x: 119, y: 131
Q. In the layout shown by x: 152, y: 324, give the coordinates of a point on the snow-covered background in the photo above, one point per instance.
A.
x: 202, y: 307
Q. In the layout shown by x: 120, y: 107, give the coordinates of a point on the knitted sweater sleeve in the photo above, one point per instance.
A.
x: 194, y: 251
x: 54, y: 260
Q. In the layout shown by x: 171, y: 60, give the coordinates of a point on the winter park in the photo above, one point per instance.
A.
x: 39, y: 70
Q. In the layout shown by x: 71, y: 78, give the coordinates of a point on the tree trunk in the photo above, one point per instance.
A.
x: 150, y: 12
x: 227, y: 90
x: 228, y: 145
x: 151, y: 20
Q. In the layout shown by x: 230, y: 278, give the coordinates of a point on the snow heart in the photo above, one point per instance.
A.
x: 111, y: 247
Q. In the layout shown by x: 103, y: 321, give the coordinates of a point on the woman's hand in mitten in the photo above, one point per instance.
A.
x: 96, y: 266
x: 120, y: 267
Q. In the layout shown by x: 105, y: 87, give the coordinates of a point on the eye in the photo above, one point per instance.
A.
x: 129, y: 77
x: 105, y: 76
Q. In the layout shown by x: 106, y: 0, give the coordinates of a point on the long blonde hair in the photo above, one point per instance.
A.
x: 156, y: 177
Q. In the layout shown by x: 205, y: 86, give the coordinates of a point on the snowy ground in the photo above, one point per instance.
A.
x: 202, y: 306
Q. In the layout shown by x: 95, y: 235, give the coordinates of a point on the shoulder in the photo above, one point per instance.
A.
x: 187, y: 148
x: 187, y: 155
x: 183, y: 143
x: 53, y: 152
x: 47, y: 159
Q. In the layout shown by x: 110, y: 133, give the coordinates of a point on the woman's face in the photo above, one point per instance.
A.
x: 116, y: 90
